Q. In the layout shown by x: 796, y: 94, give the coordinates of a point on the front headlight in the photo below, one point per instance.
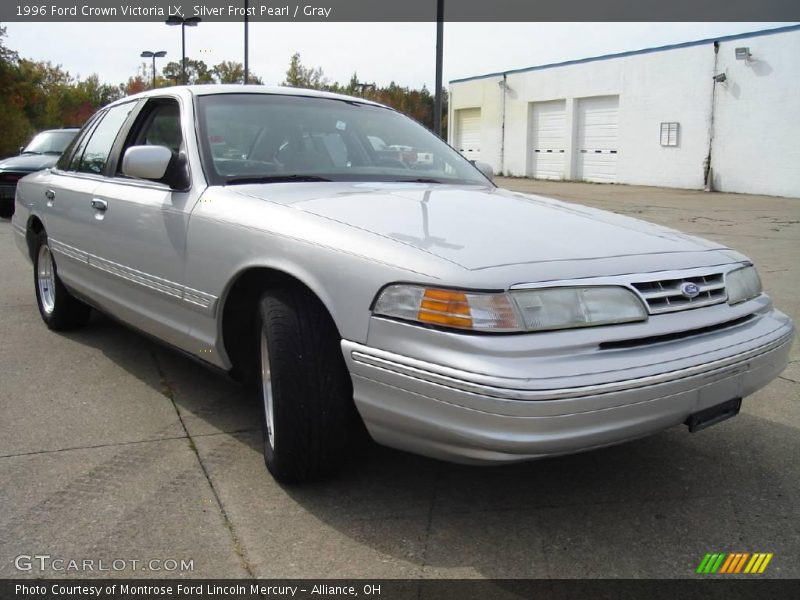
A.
x: 743, y: 284
x: 561, y: 308
x: 516, y: 311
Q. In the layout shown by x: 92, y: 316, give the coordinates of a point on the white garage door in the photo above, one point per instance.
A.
x: 597, y: 139
x: 548, y: 139
x: 468, y: 132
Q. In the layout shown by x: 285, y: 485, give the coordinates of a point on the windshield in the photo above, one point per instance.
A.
x: 50, y: 142
x: 262, y: 137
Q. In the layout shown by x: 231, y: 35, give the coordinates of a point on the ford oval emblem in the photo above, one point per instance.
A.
x: 689, y: 289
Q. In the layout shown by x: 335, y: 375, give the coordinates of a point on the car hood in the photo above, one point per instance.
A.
x: 28, y: 162
x: 479, y: 227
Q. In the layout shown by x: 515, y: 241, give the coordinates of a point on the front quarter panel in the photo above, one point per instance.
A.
x: 345, y: 267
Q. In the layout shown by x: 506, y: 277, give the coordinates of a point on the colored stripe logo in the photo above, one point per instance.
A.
x: 735, y: 562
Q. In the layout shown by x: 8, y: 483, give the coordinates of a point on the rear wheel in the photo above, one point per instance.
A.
x: 309, y: 419
x: 59, y: 309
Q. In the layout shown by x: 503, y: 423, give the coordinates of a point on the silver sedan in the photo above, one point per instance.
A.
x: 278, y: 235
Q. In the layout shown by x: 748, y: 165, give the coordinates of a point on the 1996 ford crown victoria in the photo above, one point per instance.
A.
x: 277, y: 234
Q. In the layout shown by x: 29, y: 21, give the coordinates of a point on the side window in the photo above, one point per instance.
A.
x: 95, y: 154
x: 160, y: 125
x: 79, y: 140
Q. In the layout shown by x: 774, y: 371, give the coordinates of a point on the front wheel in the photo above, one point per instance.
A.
x: 59, y: 309
x: 309, y: 419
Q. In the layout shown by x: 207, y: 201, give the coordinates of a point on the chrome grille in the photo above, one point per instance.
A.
x: 665, y: 295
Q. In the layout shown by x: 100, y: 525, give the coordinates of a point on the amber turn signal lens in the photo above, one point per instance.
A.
x: 445, y: 307
x: 448, y: 308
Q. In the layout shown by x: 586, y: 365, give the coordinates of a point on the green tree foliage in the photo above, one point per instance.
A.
x: 300, y: 76
x: 229, y: 71
x: 82, y: 98
x: 40, y: 95
x: 197, y: 72
x: 418, y: 104
x: 13, y: 121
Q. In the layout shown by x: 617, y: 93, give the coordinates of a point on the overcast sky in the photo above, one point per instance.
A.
x: 380, y: 52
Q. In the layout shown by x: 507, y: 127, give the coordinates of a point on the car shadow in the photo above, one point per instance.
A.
x: 647, y: 508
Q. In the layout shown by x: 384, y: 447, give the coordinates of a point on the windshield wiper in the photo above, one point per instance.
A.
x: 30, y: 152
x: 419, y: 180
x: 52, y: 152
x: 273, y: 179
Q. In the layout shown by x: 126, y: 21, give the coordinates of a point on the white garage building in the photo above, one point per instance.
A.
x: 649, y: 117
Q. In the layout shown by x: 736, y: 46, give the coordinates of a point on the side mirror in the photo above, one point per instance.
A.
x: 21, y: 149
x: 156, y: 163
x: 484, y: 168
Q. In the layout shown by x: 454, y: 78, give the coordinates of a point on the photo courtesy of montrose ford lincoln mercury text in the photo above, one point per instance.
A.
x: 363, y: 275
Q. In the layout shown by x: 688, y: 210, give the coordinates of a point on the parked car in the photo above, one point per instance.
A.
x: 451, y: 318
x: 41, y: 153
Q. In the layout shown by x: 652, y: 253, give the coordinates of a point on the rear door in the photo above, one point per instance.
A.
x: 67, y: 194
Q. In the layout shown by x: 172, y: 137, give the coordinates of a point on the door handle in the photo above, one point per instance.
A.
x: 49, y: 194
x: 98, y: 204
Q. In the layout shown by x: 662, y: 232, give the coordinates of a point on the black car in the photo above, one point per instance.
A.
x: 41, y: 153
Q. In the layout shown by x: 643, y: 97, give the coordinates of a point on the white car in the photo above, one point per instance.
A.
x: 446, y: 316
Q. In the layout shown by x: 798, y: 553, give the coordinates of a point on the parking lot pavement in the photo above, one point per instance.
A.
x: 113, y: 447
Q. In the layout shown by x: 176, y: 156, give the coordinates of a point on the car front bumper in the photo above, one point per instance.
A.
x: 445, y: 412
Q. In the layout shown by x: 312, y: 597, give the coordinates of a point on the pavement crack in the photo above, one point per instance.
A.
x: 95, y: 446
x: 168, y: 390
x: 788, y: 379
x: 429, y: 527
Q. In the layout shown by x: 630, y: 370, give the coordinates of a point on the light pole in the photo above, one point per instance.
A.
x: 246, y: 42
x: 437, y: 102
x: 184, y: 23
x: 154, y: 56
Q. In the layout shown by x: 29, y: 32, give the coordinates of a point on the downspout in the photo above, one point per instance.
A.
x: 504, y: 85
x: 708, y: 172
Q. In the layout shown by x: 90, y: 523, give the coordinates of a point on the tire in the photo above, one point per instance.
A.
x: 59, y: 309
x: 309, y: 420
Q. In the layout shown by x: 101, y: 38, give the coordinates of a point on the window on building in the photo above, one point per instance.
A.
x: 669, y: 134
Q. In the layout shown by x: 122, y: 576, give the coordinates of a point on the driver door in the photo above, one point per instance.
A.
x: 141, y: 232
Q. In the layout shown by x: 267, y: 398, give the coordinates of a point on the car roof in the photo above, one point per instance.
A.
x: 213, y: 89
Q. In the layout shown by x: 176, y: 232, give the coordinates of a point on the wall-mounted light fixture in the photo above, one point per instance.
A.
x: 721, y: 78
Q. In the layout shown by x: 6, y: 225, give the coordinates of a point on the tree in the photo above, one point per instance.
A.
x: 137, y: 83
x: 197, y: 72
x: 229, y: 71
x: 13, y: 121
x: 300, y: 76
x: 418, y: 104
x: 40, y: 95
x: 81, y: 100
